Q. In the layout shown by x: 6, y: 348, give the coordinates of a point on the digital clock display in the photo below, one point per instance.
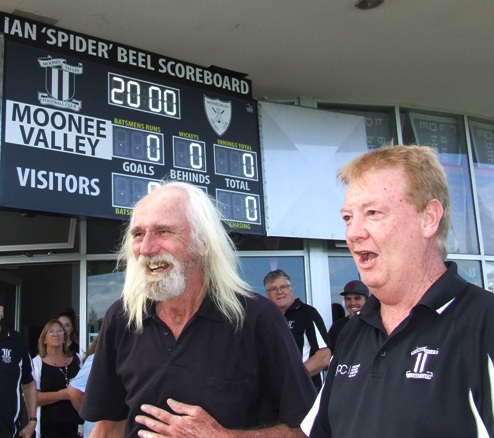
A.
x: 143, y: 96
x: 90, y: 134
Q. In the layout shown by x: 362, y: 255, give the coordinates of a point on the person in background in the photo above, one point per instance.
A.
x: 69, y: 320
x: 77, y: 385
x: 15, y: 374
x: 305, y: 323
x: 189, y: 351
x: 54, y: 367
x: 337, y: 311
x: 355, y: 294
x: 417, y: 361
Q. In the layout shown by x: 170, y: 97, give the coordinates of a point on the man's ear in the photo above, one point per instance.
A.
x: 202, y: 249
x: 433, y: 214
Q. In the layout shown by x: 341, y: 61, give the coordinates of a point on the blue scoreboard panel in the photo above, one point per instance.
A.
x: 90, y: 126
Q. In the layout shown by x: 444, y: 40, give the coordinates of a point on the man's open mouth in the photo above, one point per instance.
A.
x: 366, y: 256
x: 158, y: 267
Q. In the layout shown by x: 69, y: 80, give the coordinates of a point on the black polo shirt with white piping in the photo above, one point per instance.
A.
x: 309, y: 332
x: 432, y: 377
x: 15, y: 368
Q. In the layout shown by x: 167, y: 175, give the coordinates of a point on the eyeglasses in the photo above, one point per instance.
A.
x: 55, y: 332
x: 282, y: 288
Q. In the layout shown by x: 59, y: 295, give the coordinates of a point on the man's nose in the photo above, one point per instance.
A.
x: 148, y: 245
x: 356, y: 230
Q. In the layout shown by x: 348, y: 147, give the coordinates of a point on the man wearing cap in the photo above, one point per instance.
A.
x: 15, y: 368
x: 355, y: 294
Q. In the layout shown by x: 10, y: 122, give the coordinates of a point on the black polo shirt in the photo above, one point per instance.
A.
x: 432, y: 377
x: 308, y: 330
x: 15, y: 368
x: 335, y: 330
x: 244, y: 380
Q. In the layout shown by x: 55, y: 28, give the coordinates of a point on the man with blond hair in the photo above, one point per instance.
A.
x: 417, y: 360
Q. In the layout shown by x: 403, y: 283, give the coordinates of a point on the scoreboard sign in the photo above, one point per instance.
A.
x: 90, y: 126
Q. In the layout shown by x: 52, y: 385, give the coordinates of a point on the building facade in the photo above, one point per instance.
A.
x: 50, y: 261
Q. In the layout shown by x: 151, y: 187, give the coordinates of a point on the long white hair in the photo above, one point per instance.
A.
x: 220, y: 262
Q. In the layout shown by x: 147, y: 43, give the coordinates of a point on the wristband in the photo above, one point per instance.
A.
x: 32, y: 419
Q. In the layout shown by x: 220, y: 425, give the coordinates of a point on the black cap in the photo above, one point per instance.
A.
x: 355, y: 287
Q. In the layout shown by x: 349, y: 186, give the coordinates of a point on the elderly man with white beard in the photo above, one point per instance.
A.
x: 188, y: 350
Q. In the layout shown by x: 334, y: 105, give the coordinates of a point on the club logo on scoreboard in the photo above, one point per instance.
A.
x: 59, y: 83
x: 219, y: 114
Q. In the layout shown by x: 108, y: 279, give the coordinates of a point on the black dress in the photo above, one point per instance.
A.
x: 60, y: 419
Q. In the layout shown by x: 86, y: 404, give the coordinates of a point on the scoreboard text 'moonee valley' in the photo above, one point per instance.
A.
x: 89, y: 126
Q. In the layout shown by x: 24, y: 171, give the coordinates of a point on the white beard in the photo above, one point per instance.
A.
x: 160, y: 287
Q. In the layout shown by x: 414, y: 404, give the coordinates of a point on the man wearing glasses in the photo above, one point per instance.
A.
x: 305, y: 323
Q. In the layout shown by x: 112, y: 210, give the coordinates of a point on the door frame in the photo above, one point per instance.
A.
x: 12, y: 310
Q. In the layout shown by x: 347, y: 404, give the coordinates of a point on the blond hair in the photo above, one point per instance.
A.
x: 425, y: 178
x: 42, y: 337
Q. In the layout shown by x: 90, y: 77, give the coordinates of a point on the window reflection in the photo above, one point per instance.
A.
x: 379, y: 124
x: 104, y: 287
x: 482, y: 135
x: 490, y: 276
x: 254, y: 269
x: 470, y: 271
x: 379, y: 128
x: 446, y: 135
x: 341, y: 271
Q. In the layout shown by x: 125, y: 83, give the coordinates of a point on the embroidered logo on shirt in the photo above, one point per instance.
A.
x: 347, y: 370
x: 6, y: 358
x: 419, y: 371
x: 290, y: 324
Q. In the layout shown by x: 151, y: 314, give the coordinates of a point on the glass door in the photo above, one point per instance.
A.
x: 10, y: 289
